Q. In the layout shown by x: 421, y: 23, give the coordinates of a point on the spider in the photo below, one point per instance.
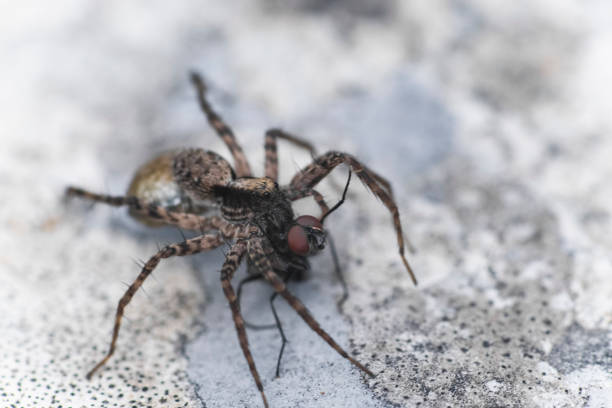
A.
x: 256, y: 217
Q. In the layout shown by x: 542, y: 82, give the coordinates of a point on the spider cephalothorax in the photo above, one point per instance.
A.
x: 255, y: 216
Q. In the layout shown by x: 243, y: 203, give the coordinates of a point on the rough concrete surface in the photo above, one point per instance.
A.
x: 490, y: 118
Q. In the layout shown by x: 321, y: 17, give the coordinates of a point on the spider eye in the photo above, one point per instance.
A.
x: 297, y: 240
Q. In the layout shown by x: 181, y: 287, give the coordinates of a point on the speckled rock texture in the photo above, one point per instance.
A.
x: 490, y: 118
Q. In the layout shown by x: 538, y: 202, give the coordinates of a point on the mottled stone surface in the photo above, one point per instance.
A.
x: 490, y: 118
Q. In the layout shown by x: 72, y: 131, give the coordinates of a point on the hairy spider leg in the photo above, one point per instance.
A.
x: 389, y: 190
x: 232, y: 261
x: 318, y: 197
x: 115, y: 201
x: 222, y: 129
x: 271, y: 163
x: 188, y: 247
x: 187, y: 221
x: 294, y: 195
x: 312, y: 174
x: 259, y: 251
x: 277, y: 323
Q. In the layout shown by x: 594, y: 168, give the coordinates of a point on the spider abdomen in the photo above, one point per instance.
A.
x: 199, y: 172
x: 154, y: 183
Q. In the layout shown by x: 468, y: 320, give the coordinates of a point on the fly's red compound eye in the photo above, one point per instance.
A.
x: 309, y: 221
x: 297, y: 240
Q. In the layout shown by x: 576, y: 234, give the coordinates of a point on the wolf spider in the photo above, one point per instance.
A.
x: 256, y: 217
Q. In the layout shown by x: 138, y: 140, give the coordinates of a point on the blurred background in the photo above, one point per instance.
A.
x: 491, y: 119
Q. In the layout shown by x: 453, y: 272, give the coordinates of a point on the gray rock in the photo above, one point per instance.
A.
x: 490, y: 119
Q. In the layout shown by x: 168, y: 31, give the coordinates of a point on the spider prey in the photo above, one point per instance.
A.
x: 255, y: 217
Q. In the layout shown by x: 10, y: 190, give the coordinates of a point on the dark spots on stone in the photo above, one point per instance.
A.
x: 580, y: 347
x: 506, y: 340
x: 486, y: 344
x: 501, y: 285
x: 459, y: 384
